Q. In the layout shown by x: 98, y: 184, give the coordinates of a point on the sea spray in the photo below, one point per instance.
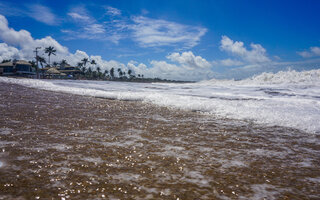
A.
x: 290, y: 99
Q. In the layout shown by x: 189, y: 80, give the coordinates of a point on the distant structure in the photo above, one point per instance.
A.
x: 69, y: 70
x: 17, y: 68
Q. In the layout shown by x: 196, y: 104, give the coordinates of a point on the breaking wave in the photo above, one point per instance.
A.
x: 290, y: 99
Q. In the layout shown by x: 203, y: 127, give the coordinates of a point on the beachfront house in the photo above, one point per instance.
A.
x: 7, y: 69
x: 16, y: 68
x: 69, y: 70
x: 23, y: 68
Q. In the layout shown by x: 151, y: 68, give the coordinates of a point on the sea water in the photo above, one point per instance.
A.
x: 245, y: 141
x: 289, y: 99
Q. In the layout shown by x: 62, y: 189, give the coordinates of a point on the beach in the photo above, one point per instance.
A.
x: 56, y: 145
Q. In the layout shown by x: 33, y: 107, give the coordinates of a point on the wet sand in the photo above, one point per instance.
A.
x: 62, y: 146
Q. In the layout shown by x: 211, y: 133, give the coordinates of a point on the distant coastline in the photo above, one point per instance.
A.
x: 63, y: 70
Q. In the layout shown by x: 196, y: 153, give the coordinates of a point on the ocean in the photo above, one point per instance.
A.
x: 289, y: 99
x: 257, y: 138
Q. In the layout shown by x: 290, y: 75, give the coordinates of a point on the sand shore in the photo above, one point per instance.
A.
x: 61, y: 146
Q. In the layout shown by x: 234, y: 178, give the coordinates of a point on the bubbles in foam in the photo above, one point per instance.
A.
x: 290, y: 99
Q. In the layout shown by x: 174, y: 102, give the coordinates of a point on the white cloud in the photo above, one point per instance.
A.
x: 165, y: 70
x: 20, y: 45
x: 188, y: 66
x: 147, y: 32
x: 7, y: 52
x: 189, y: 60
x: 38, y: 12
x: 8, y: 9
x: 95, y: 28
x: 257, y: 54
x: 88, y: 27
x: 112, y: 11
x: 42, y: 14
x: 23, y: 41
x: 155, y: 32
x: 229, y: 62
x: 312, y: 52
x: 77, y: 16
x: 12, y: 37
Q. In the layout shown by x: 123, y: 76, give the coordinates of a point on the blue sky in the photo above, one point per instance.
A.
x: 185, y: 40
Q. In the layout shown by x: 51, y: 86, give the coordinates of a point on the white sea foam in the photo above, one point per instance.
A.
x: 290, y: 99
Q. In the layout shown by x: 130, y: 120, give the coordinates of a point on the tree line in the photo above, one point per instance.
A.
x: 86, y: 71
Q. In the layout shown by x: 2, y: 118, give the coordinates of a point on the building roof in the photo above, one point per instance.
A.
x: 22, y: 62
x: 67, y: 71
x: 53, y: 71
x: 6, y: 64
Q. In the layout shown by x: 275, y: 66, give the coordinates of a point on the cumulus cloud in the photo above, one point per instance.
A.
x: 156, y: 32
x: 11, y: 36
x: 189, y: 60
x: 20, y: 45
x: 257, y: 54
x: 312, y: 52
x: 8, y: 52
x: 23, y: 42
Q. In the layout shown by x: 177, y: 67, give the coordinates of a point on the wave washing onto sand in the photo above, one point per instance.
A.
x: 290, y: 99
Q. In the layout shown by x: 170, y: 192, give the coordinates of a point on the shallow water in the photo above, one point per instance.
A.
x: 63, y: 146
x: 288, y: 99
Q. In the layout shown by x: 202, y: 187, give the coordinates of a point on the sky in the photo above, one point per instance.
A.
x: 172, y: 39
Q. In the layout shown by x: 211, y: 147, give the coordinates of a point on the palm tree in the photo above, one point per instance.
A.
x: 63, y: 62
x: 85, y: 61
x: 33, y: 64
x: 95, y: 74
x: 50, y: 51
x: 4, y: 61
x: 42, y: 60
x: 120, y: 72
x: 79, y: 64
x: 99, y: 71
x: 83, y: 69
x: 112, y: 72
x: 105, y: 73
x: 55, y: 64
x: 89, y: 72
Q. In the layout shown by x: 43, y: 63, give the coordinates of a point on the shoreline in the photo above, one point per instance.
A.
x: 58, y: 145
